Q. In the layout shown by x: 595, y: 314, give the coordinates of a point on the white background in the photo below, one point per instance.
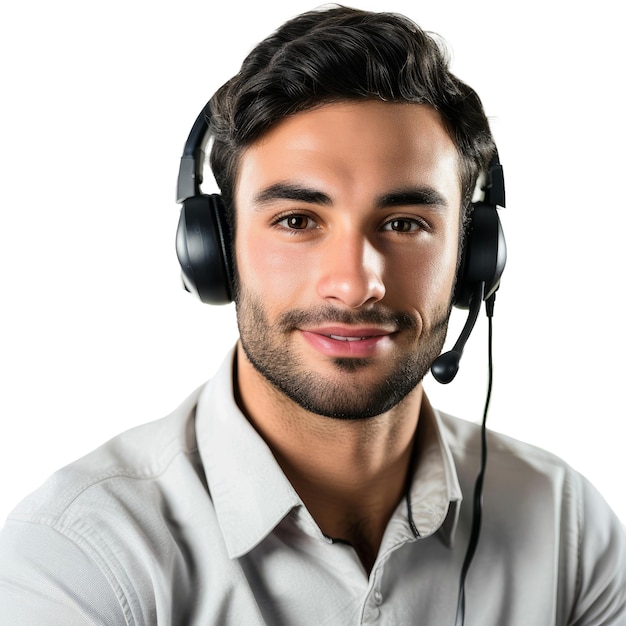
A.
x: 96, y: 333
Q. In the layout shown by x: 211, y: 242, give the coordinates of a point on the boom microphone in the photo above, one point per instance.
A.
x: 446, y: 365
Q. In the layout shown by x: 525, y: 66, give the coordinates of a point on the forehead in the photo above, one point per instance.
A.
x: 356, y: 147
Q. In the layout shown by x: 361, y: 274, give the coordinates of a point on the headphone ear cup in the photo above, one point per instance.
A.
x: 484, y: 255
x: 203, y: 247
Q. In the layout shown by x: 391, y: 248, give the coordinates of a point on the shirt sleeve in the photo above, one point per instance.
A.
x: 45, y: 578
x: 601, y: 579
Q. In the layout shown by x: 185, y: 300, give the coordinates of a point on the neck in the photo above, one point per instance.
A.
x: 350, y: 474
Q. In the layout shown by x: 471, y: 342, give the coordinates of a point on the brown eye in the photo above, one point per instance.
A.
x: 402, y: 225
x: 297, y: 222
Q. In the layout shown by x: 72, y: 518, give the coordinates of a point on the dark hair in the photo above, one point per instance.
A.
x: 340, y: 54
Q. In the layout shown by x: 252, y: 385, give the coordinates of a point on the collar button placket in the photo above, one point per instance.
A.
x: 371, y: 610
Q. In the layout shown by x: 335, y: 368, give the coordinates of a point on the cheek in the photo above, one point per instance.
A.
x: 443, y: 268
x: 276, y: 273
x: 424, y: 278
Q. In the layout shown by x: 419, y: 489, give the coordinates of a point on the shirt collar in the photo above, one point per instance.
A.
x: 434, y: 494
x: 252, y: 495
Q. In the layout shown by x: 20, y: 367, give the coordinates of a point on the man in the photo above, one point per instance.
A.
x: 311, y: 482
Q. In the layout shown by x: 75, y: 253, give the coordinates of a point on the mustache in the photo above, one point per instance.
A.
x: 330, y: 315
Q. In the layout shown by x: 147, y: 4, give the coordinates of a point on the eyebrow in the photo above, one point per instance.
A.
x: 287, y: 191
x: 411, y: 196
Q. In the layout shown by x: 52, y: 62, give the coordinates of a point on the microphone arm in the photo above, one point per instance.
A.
x: 446, y: 365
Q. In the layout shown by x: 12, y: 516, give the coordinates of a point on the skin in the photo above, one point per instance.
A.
x: 347, y: 224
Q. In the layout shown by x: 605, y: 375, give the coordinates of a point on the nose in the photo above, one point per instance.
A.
x: 351, y: 272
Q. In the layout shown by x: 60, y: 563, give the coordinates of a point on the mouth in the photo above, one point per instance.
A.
x: 347, y: 342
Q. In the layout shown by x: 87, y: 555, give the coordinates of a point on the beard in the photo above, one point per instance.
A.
x: 346, y: 395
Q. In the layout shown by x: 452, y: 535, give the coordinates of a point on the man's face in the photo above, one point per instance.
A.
x: 347, y: 232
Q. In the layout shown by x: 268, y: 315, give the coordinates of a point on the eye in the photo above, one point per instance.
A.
x: 296, y: 222
x: 404, y: 225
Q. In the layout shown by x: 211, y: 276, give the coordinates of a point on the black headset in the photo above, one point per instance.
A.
x: 203, y: 238
x: 204, y: 246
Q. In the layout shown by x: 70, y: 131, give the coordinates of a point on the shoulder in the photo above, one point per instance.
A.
x: 105, y: 532
x: 143, y: 453
x: 518, y: 468
x: 139, y: 456
x: 511, y: 463
x: 537, y: 505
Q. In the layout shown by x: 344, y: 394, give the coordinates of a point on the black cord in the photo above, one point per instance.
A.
x: 478, y: 487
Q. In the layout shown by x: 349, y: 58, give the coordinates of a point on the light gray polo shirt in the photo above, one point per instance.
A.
x: 190, y: 520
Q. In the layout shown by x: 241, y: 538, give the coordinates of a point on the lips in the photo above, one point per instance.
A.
x: 346, y: 342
